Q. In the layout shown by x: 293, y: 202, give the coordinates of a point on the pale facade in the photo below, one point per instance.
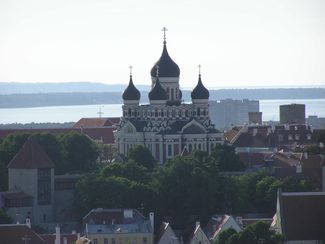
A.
x: 118, y: 226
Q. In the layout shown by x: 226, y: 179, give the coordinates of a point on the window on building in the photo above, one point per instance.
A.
x: 113, y: 240
x: 105, y: 240
x: 308, y: 137
x: 280, y: 137
x: 169, y: 150
x: 172, y: 93
x: 290, y: 137
x: 190, y: 147
x: 200, y: 147
x: 144, y: 239
x: 297, y: 137
x: 198, y: 112
x: 44, y: 186
x: 95, y: 241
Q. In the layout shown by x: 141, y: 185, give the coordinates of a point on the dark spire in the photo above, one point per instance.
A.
x: 131, y: 92
x: 168, y: 68
x: 200, y: 92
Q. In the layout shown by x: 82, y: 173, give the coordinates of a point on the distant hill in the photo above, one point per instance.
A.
x: 88, y: 98
x: 7, y: 88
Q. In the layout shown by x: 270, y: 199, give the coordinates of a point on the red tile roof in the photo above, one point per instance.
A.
x: 104, y: 134
x: 31, y: 156
x: 50, y: 238
x: 17, y: 234
x: 97, y: 122
x: 303, y: 215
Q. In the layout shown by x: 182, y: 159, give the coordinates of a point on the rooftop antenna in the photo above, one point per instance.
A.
x: 100, y: 113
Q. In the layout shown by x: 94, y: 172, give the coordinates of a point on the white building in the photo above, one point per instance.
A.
x: 167, y: 125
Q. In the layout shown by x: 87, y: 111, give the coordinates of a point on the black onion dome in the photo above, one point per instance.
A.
x: 167, y: 67
x: 131, y: 92
x: 200, y: 92
x: 157, y: 92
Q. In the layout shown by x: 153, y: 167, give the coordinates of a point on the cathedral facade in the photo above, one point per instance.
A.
x: 166, y: 126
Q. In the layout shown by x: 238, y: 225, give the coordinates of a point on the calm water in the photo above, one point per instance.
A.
x: 270, y: 109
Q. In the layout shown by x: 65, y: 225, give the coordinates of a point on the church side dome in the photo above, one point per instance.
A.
x: 167, y: 67
x: 200, y: 92
x: 131, y: 92
x: 157, y: 92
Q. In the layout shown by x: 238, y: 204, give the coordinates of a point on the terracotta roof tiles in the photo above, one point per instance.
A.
x: 31, y: 156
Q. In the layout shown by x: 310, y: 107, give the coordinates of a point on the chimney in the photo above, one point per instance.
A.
x: 152, y: 222
x: 305, y: 155
x: 86, y: 229
x: 28, y: 223
x: 57, y: 235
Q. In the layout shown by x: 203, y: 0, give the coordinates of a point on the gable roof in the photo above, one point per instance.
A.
x: 15, y: 234
x: 97, y: 122
x: 50, y: 238
x: 302, y: 215
x: 100, y: 215
x: 31, y: 156
x: 161, y: 231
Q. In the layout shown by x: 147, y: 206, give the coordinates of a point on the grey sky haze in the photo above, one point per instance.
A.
x: 239, y: 43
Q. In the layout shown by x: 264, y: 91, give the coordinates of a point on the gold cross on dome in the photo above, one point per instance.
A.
x: 164, y: 29
x: 199, y: 68
x: 130, y: 67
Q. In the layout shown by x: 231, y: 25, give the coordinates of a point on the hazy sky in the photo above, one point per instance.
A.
x: 239, y: 43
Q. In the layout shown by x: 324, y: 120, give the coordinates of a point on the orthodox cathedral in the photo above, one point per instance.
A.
x: 166, y: 126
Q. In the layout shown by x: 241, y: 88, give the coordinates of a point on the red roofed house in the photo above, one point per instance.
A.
x: 31, y: 185
x: 300, y: 217
x: 218, y: 223
x: 166, y: 235
x: 18, y: 234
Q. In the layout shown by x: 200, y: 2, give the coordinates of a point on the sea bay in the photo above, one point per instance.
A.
x: 60, y: 114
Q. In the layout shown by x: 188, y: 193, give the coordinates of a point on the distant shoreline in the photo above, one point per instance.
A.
x: 29, y: 100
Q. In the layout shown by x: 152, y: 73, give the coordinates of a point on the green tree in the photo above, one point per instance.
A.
x: 321, y: 136
x: 256, y: 233
x: 81, y: 152
x: 129, y: 170
x: 3, y: 177
x: 312, y: 149
x: 188, y: 186
x: 142, y: 156
x: 4, y: 218
x: 227, y: 159
x: 107, y: 153
x: 54, y: 148
x: 11, y: 145
x: 112, y: 192
x: 224, y: 235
